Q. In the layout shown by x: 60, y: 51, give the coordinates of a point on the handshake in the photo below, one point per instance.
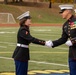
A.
x: 49, y: 43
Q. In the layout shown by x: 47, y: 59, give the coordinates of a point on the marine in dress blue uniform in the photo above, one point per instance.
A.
x: 24, y: 38
x: 68, y: 32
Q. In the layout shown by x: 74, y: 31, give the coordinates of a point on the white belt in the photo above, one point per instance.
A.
x: 22, y: 45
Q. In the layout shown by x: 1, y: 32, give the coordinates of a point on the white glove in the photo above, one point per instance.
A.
x: 49, y: 43
x: 69, y: 43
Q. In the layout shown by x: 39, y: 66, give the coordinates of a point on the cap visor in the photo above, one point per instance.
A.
x: 60, y: 12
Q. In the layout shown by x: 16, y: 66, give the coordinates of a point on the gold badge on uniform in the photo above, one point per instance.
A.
x: 73, y: 25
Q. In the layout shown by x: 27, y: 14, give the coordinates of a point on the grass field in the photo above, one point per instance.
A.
x: 42, y: 58
x: 39, y: 14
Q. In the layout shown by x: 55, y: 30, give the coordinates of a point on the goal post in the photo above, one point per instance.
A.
x: 7, y: 18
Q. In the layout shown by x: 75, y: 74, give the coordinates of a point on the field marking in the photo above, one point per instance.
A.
x: 49, y: 52
x: 45, y: 35
x: 7, y: 42
x: 3, y: 47
x: 49, y: 47
x: 2, y: 32
x: 47, y: 63
x: 14, y: 44
x: 38, y: 62
x: 37, y: 52
x: 5, y: 52
x: 41, y: 72
x: 1, y: 28
x: 41, y: 30
x: 6, y: 58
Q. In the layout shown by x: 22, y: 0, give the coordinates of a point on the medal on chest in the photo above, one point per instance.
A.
x: 72, y: 25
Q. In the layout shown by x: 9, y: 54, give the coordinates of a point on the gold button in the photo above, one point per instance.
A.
x: 68, y: 31
x: 69, y: 34
x: 69, y: 22
x: 73, y: 25
x: 39, y: 41
x: 69, y: 28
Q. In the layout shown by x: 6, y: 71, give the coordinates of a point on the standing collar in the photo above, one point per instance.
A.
x: 25, y: 26
x: 70, y: 18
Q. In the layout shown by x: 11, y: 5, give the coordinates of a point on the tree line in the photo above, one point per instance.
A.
x: 64, y: 1
x: 6, y: 1
x: 51, y: 1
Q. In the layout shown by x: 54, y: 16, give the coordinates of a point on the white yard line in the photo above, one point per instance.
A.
x: 46, y: 35
x: 3, y: 47
x: 7, y: 43
x: 38, y: 52
x: 5, y: 58
x: 8, y: 28
x: 41, y: 30
x: 4, y: 32
x: 38, y: 62
x: 47, y: 63
x: 14, y: 44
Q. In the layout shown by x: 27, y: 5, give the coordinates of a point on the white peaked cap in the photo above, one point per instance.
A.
x: 26, y: 14
x: 66, y: 6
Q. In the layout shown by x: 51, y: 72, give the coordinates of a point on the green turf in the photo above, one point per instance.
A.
x: 37, y: 53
